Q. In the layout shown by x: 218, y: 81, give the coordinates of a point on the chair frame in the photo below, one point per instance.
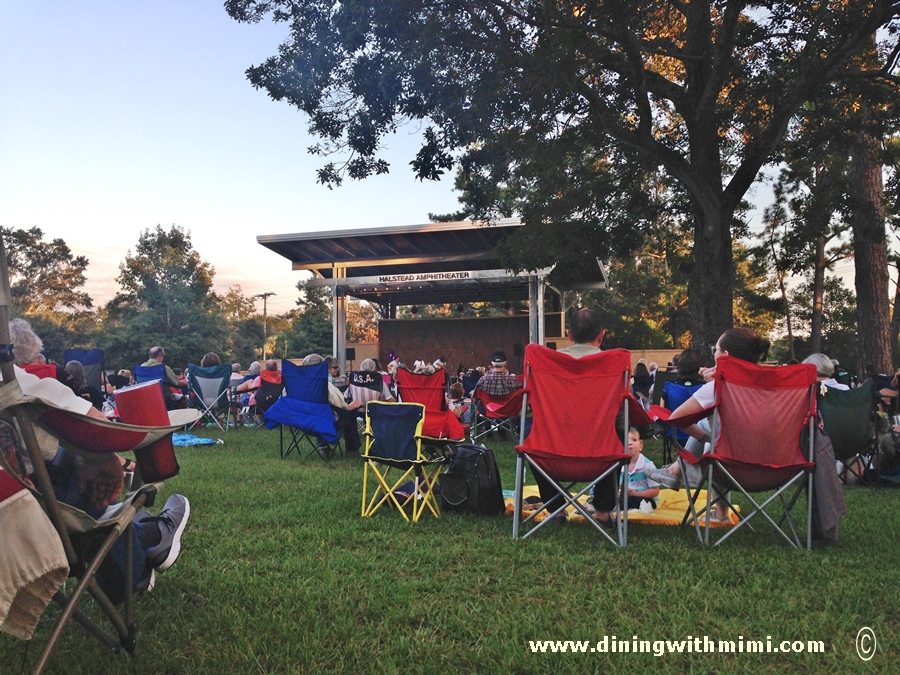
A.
x: 618, y: 465
x: 423, y: 471
x: 491, y: 419
x: 221, y: 402
x: 714, y: 468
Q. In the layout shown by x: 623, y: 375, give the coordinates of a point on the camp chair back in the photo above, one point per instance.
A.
x: 673, y: 438
x: 573, y: 438
x: 305, y: 410
x: 441, y: 426
x: 149, y: 373
x: 271, y: 388
x: 848, y: 419
x: 659, y: 383
x: 393, y: 443
x: 486, y: 419
x: 365, y: 386
x: 209, y: 392
x: 91, y: 359
x: 757, y: 423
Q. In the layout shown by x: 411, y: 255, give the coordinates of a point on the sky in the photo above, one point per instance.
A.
x: 116, y: 117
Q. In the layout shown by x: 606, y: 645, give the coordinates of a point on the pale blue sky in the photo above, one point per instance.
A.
x: 116, y: 116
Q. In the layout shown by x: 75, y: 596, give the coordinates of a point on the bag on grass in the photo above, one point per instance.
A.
x: 472, y: 482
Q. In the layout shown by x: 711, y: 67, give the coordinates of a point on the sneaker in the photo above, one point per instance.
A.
x: 664, y: 478
x: 693, y: 475
x: 147, y: 583
x: 171, y: 522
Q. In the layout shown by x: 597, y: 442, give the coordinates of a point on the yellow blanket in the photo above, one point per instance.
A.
x: 673, y: 504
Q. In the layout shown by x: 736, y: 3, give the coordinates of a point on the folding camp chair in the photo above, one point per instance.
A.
x: 673, y: 438
x: 305, y: 411
x: 441, y: 426
x: 573, y: 438
x: 659, y: 384
x: 209, y: 393
x: 91, y: 359
x: 756, y: 426
x: 486, y: 419
x: 149, y: 373
x: 848, y: 419
x: 85, y: 540
x: 394, y: 443
x: 271, y: 388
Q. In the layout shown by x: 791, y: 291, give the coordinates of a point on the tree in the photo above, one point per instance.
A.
x: 568, y: 103
x: 44, y: 275
x: 165, y: 299
x: 244, y: 337
x: 311, y: 329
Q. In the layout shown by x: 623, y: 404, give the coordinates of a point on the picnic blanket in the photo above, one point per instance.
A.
x: 673, y: 504
x: 190, y: 439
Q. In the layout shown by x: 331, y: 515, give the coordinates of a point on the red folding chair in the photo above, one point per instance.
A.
x: 484, y: 423
x: 441, y: 425
x: 573, y: 438
x: 756, y: 427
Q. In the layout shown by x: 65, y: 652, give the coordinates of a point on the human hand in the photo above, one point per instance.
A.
x: 708, y: 374
x: 353, y: 405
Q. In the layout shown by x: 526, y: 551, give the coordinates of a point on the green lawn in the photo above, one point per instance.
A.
x: 279, y: 574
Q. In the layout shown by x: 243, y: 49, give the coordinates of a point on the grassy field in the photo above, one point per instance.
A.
x: 279, y: 574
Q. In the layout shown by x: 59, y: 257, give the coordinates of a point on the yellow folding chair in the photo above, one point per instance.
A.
x: 393, y: 442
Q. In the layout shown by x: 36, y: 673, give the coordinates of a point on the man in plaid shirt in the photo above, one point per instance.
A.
x: 499, y: 382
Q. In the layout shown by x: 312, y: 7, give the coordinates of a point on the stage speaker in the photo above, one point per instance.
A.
x: 351, y: 353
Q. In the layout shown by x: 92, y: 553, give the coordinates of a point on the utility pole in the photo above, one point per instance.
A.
x: 264, y: 297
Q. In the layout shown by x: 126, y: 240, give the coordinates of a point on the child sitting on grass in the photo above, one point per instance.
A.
x: 640, y: 487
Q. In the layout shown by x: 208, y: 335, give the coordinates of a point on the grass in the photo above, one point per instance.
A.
x: 279, y: 574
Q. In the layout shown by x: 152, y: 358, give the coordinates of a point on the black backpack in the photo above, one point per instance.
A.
x: 472, y: 482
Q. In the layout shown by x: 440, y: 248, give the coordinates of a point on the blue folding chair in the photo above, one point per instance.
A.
x: 209, y: 392
x: 394, y: 443
x: 150, y: 373
x: 673, y: 438
x: 305, y: 411
x: 91, y: 359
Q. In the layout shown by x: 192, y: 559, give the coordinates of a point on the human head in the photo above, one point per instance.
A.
x: 41, y: 359
x: 426, y: 369
x: 456, y: 391
x: 254, y: 369
x: 498, y: 360
x: 652, y: 366
x: 585, y: 325
x: 640, y: 370
x: 27, y: 345
x: 690, y: 361
x: 635, y: 444
x: 124, y: 372
x: 235, y: 367
x: 76, y: 372
x: 312, y: 360
x: 157, y: 354
x: 210, y: 359
x: 367, y: 364
x: 272, y: 365
x: 743, y: 344
x: 824, y: 366
x: 439, y: 363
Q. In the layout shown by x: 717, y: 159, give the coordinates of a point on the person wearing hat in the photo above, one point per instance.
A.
x: 498, y: 382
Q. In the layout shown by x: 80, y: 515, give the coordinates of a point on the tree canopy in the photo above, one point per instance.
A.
x: 562, y: 107
x: 165, y: 299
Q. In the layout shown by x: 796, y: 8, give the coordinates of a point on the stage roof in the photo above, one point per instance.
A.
x: 416, y: 264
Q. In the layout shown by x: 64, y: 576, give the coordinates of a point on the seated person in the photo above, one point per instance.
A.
x: 173, y: 384
x: 642, y: 382
x: 640, y: 486
x: 458, y: 404
x: 93, y: 486
x: 499, y: 382
x: 249, y: 388
x: 80, y: 386
x: 28, y: 354
x: 236, y: 377
x: 363, y: 394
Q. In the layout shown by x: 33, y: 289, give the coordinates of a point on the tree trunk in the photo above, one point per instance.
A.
x: 895, y: 316
x: 818, y: 297
x: 870, y: 247
x: 711, y: 287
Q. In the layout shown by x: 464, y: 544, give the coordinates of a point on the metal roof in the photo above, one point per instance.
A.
x: 414, y: 264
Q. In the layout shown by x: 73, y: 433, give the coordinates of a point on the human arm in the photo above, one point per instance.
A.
x: 649, y: 493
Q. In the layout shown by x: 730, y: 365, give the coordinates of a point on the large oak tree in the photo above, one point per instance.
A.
x: 566, y: 103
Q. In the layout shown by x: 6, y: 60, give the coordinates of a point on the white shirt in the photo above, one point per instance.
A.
x: 706, y: 395
x: 51, y: 390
